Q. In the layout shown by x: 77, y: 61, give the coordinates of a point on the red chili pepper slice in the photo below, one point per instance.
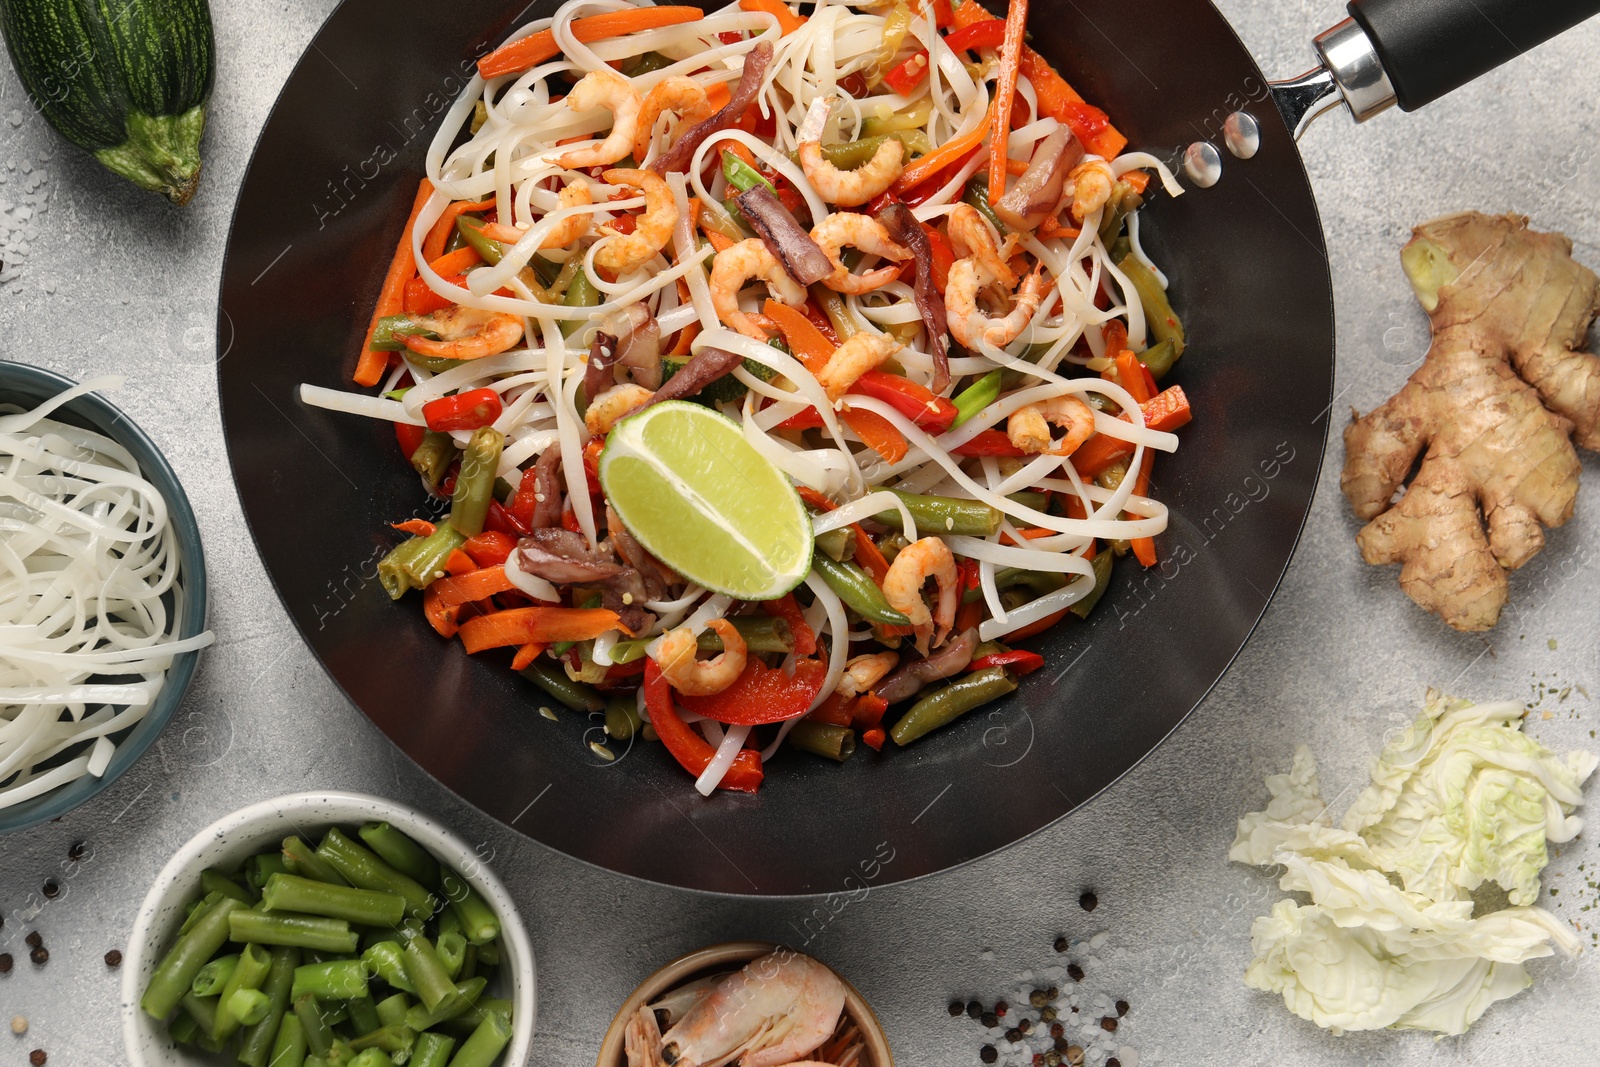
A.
x: 498, y: 518
x: 471, y: 410
x: 491, y: 548
x: 691, y: 750
x: 409, y: 437
x: 988, y: 443
x: 788, y: 609
x: 1086, y: 121
x: 1017, y: 661
x: 990, y: 33
x: 932, y: 413
x: 762, y: 694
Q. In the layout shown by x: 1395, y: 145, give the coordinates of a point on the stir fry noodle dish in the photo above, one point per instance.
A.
x: 772, y: 371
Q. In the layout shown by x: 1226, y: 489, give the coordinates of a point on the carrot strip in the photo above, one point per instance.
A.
x: 475, y: 585
x: 925, y: 167
x: 1005, y: 93
x: 522, y: 626
x: 391, y: 298
x: 718, y: 242
x: 517, y: 56
x: 441, y: 616
x: 1015, y: 167
x: 1131, y: 375
x: 686, y: 338
x: 433, y: 245
x: 1137, y: 180
x: 877, y: 432
x: 803, y: 338
x: 968, y: 13
x: 788, y: 21
x: 456, y: 262
x: 1144, y: 548
x: 1032, y: 533
x: 459, y: 563
x: 526, y: 655
x: 1038, y: 626
x: 1056, y: 98
x: 416, y: 527
x: 1167, y: 410
x: 718, y: 95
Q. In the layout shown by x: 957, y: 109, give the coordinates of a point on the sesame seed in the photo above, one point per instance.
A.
x: 602, y: 751
x: 547, y: 713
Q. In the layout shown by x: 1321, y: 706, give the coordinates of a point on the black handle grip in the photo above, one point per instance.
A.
x: 1429, y: 47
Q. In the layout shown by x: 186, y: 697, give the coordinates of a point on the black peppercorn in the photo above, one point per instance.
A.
x: 40, y: 956
x: 956, y: 1008
x: 974, y: 1010
x: 1061, y: 944
x: 989, y: 1019
x: 988, y: 1054
x: 113, y: 958
x: 37, y: 1057
x: 1122, y: 1007
x: 1013, y: 1035
x: 1113, y: 1062
x: 5, y: 963
x: 1088, y: 901
x: 1109, y: 1024
x: 1075, y: 972
x: 33, y: 939
x: 51, y: 890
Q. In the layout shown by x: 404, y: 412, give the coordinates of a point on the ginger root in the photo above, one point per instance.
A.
x: 1496, y: 403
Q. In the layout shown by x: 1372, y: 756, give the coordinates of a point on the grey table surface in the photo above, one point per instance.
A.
x: 104, y: 279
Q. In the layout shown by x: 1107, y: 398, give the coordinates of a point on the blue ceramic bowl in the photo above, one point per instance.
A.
x: 28, y: 387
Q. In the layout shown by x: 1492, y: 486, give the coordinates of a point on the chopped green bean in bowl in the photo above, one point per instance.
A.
x: 328, y: 921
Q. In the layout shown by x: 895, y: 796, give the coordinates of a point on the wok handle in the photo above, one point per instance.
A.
x: 1429, y: 47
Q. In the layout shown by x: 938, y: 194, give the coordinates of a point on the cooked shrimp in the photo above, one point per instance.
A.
x: 775, y: 1011
x: 926, y: 558
x: 854, y: 358
x: 1092, y: 182
x: 864, y: 672
x: 567, y: 232
x: 465, y: 333
x: 626, y: 253
x: 1028, y: 430
x: 700, y: 677
x: 967, y: 277
x: 605, y: 409
x: 846, y: 188
x: 605, y: 88
x: 676, y: 93
x: 738, y: 264
x: 870, y: 236
x: 971, y: 238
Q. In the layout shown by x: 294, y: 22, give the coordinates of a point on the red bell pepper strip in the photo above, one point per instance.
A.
x: 834, y: 710
x: 788, y: 609
x: 491, y: 548
x: 990, y: 33
x: 809, y: 419
x: 932, y: 413
x: 471, y: 410
x: 867, y: 711
x: 988, y: 443
x: 691, y: 750
x: 420, y: 299
x: 943, y: 13
x: 762, y: 694
x: 502, y: 521
x: 1017, y: 661
x: 907, y: 75
x: 874, y: 738
x: 408, y: 437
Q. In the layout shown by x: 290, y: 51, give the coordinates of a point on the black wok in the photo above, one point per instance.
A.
x: 321, y: 209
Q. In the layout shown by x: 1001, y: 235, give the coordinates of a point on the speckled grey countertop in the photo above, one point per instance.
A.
x: 107, y: 279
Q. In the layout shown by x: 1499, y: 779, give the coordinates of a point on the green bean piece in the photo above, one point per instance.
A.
x: 857, y: 589
x: 214, y: 881
x: 1030, y: 499
x: 470, y: 227
x: 1122, y: 202
x: 366, y: 871
x: 433, y: 456
x: 298, y: 931
x: 838, y: 545
x: 257, y: 869
x: 1159, y: 358
x: 255, y: 1044
x: 977, y: 195
x: 452, y: 948
x: 387, y: 961
x: 1111, y: 478
x: 853, y: 155
x: 197, y: 911
x: 399, y: 1039
x: 414, y: 564
x: 303, y: 860
x: 183, y: 1029
x: 643, y: 63
x: 475, y: 481
x: 363, y: 1014
x: 335, y: 980
x: 580, y: 294
x: 426, y: 971
x: 467, y: 994
x: 469, y: 963
x: 761, y: 633
x: 1038, y: 582
x: 384, y: 337
x: 392, y: 1010
x: 1102, y: 579
x: 833, y: 306
x: 170, y: 981
x: 318, y: 1030
x: 254, y: 964
x: 1164, y: 322
x: 547, y: 675
x: 940, y: 515
x: 203, y: 1010
x: 948, y: 703
x: 622, y: 718
x: 289, y: 1047
x: 975, y: 397
x: 741, y: 175
x: 490, y: 954
x: 823, y: 739
x: 366, y: 907
x: 248, y: 1006
x: 400, y: 852
x: 432, y: 1050
x: 341, y: 1054
x: 213, y: 976
x: 486, y: 1042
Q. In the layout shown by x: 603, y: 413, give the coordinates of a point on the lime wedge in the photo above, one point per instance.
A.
x: 703, y: 501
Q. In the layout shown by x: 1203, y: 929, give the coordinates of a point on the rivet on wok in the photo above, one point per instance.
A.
x: 1241, y: 134
x: 1203, y: 163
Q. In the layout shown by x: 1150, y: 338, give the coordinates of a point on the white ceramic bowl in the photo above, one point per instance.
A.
x: 231, y: 839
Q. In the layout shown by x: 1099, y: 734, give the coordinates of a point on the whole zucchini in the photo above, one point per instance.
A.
x: 126, y: 79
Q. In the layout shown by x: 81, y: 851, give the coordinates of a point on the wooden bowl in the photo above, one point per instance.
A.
x: 734, y: 954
